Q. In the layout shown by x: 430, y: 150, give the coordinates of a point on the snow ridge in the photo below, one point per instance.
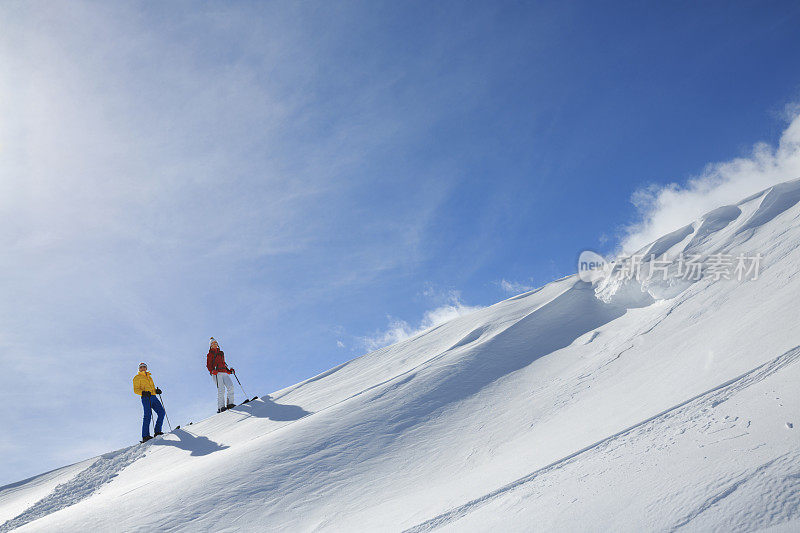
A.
x: 560, y: 407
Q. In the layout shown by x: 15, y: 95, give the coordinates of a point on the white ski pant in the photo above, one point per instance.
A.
x: 223, y: 381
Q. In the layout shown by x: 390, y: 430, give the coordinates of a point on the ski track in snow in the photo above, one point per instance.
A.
x: 784, y: 499
x: 77, y: 489
x: 709, y: 398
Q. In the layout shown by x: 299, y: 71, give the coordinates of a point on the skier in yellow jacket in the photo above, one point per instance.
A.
x: 143, y: 386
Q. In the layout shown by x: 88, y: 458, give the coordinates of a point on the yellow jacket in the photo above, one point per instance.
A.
x: 143, y: 382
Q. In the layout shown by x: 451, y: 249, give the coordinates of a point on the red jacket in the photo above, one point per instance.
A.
x: 215, y: 362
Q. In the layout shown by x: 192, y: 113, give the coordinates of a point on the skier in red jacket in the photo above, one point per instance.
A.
x: 215, y: 362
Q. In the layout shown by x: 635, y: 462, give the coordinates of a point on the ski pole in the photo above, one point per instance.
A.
x: 165, y: 412
x: 246, y: 397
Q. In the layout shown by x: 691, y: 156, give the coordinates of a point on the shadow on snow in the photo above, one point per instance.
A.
x: 267, y: 408
x: 198, y: 445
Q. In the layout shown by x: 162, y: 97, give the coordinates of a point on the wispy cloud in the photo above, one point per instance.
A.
x: 665, y: 208
x: 399, y: 330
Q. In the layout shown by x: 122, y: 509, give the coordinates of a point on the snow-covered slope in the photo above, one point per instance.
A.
x: 623, y: 405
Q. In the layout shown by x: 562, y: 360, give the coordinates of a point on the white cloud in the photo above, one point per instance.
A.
x: 400, y: 330
x: 666, y: 208
x: 339, y: 344
x: 514, y: 287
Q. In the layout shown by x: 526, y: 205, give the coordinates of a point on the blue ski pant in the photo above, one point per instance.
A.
x: 151, y: 403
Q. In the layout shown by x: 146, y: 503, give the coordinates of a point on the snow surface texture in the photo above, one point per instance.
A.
x: 624, y: 405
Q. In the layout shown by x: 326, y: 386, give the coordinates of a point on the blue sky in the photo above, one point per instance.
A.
x: 306, y: 181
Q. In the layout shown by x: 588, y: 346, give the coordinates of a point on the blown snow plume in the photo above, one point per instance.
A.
x: 666, y: 207
x: 631, y: 403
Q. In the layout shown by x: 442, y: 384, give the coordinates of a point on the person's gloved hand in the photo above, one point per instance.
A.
x: 233, y: 371
x: 145, y: 393
x: 158, y: 391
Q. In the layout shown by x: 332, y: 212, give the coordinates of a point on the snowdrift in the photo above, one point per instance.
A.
x: 626, y: 404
